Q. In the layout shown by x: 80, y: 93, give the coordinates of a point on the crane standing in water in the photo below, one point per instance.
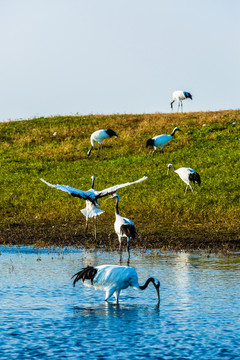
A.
x: 112, y: 279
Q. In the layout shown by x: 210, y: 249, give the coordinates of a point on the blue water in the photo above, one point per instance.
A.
x: 43, y: 317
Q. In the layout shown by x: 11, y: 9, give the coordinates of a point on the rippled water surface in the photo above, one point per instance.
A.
x: 42, y: 316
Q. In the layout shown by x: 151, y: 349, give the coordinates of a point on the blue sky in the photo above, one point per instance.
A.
x: 117, y: 56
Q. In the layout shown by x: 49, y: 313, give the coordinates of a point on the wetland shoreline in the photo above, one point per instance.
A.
x: 47, y: 235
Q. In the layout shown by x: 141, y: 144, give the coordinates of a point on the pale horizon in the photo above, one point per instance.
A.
x: 93, y: 58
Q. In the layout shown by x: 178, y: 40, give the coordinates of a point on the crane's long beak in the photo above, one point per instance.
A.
x: 167, y: 171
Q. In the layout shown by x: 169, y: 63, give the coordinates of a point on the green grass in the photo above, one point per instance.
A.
x: 31, y: 212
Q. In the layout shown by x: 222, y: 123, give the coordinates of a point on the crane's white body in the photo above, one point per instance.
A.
x: 159, y: 141
x: 123, y: 226
x: 179, y: 96
x: 98, y: 136
x: 91, y: 210
x: 113, y: 278
x: 91, y: 196
x: 120, y: 220
x: 184, y: 173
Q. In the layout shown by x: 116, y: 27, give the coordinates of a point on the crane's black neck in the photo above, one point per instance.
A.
x: 116, y: 206
x: 172, y: 134
x: 143, y: 287
x: 171, y: 166
x: 156, y: 285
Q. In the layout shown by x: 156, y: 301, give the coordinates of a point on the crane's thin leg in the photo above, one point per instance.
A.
x: 95, y: 226
x: 86, y: 223
x: 178, y: 106
x: 186, y: 189
x: 109, y: 293
x: 182, y: 106
x: 98, y: 149
x: 128, y: 248
x: 116, y: 294
x: 120, y: 259
x: 191, y: 187
x: 120, y: 243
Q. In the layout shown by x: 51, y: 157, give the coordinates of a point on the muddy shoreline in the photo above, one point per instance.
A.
x: 47, y: 235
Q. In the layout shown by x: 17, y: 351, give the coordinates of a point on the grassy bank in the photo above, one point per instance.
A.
x: 55, y: 149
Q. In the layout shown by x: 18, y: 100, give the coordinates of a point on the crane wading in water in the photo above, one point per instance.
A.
x: 124, y: 227
x: 99, y: 136
x: 91, y: 196
x: 187, y: 175
x: 112, y: 279
x: 179, y: 96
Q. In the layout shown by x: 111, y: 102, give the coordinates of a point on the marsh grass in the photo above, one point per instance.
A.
x: 55, y: 149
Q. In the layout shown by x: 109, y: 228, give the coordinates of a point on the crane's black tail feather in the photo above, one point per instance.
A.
x: 128, y: 230
x: 86, y: 273
x: 150, y: 142
x: 195, y: 178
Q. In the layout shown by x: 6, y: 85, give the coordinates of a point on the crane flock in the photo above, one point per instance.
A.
x: 112, y: 278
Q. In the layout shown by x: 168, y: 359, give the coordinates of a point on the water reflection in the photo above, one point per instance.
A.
x: 117, y: 310
x: 92, y: 258
x: 182, y: 278
x: 42, y: 315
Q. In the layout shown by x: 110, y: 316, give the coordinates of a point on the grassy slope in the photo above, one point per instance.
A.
x: 31, y: 212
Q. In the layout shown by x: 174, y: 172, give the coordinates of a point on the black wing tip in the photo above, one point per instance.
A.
x: 86, y: 273
x: 150, y: 142
x: 129, y: 230
x: 111, y: 132
x: 195, y: 178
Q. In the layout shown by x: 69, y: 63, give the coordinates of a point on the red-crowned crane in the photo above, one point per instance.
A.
x: 112, y: 279
x: 123, y: 226
x: 179, y: 96
x: 160, y: 140
x: 91, y: 196
x: 187, y: 175
x: 99, y: 136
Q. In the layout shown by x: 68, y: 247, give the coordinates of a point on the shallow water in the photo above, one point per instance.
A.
x: 43, y: 316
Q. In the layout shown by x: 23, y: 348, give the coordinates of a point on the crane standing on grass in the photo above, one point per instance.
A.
x: 99, y: 136
x: 179, y: 96
x: 187, y: 175
x: 160, y: 140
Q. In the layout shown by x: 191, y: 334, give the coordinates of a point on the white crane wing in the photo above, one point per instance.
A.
x: 115, y: 188
x: 86, y: 195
